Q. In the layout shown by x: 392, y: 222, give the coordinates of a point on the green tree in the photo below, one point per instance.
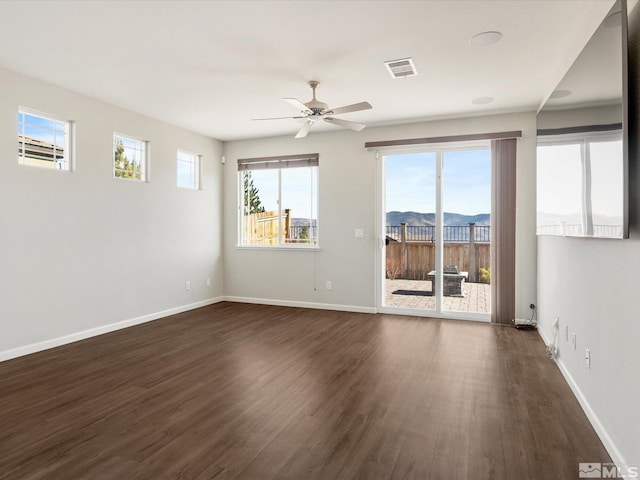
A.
x: 123, y: 167
x: 252, y: 203
x: 304, y: 233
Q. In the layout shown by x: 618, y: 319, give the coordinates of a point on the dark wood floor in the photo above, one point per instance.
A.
x: 235, y: 391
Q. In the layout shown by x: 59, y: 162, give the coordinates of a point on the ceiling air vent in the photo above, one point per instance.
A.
x: 401, y: 68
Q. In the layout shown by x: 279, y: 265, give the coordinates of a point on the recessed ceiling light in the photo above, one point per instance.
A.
x: 560, y: 94
x: 482, y: 100
x: 485, y: 38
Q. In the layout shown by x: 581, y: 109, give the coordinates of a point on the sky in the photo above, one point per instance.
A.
x: 297, y: 193
x: 410, y: 182
x: 51, y: 131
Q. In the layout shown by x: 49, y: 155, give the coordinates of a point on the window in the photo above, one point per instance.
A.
x: 279, y: 200
x: 129, y: 158
x: 44, y: 140
x: 580, y: 180
x: 188, y: 170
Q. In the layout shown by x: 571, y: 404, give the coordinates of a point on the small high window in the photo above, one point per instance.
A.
x: 44, y: 140
x: 129, y: 158
x: 188, y: 165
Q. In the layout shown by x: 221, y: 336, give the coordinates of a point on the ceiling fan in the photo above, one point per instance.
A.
x: 315, y: 110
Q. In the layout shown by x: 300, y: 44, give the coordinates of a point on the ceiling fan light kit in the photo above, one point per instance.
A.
x: 315, y: 110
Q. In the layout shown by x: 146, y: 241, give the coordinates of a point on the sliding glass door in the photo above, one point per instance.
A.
x: 436, y: 226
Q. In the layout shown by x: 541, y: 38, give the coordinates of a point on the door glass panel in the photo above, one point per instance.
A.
x: 410, y: 206
x: 466, y: 203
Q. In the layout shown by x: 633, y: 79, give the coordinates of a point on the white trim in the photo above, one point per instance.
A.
x: 296, y: 247
x: 93, y: 332
x: 445, y: 315
x: 291, y: 303
x: 606, y: 440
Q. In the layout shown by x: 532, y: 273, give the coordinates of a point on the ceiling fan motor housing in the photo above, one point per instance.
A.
x: 314, y: 105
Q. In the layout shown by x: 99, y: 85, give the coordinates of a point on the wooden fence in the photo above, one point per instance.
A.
x: 262, y: 228
x: 413, y: 260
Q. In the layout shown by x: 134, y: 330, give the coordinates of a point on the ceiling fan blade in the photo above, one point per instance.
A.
x: 345, y: 123
x: 298, y: 104
x: 304, y: 130
x: 356, y: 107
x: 275, y: 118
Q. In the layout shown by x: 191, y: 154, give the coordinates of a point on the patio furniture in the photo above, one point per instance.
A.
x: 452, y: 281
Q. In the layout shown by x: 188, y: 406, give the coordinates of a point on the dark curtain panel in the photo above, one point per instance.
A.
x: 503, y: 230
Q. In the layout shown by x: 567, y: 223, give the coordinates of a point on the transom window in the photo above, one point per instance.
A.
x: 44, y: 140
x: 279, y: 201
x: 188, y: 170
x: 129, y: 158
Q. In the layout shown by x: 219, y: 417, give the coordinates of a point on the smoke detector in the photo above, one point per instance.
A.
x: 401, y: 68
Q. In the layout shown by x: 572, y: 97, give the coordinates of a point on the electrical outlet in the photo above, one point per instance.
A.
x: 573, y: 339
x: 359, y: 233
x: 587, y: 357
x: 327, y: 285
x: 208, y: 282
x: 187, y: 285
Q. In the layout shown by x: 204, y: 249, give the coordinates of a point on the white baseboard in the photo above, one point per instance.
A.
x: 289, y: 303
x: 606, y: 440
x: 92, y: 332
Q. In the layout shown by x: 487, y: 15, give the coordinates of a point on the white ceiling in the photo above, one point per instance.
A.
x: 212, y: 66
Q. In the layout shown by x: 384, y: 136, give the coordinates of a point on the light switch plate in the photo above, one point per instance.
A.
x: 359, y: 232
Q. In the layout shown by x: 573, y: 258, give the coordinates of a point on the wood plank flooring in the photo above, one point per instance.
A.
x: 235, y: 391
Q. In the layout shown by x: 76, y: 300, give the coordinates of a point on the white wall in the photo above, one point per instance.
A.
x: 592, y: 286
x: 347, y: 179
x: 81, y: 251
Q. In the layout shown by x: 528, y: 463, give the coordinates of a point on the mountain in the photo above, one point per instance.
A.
x: 301, y: 222
x: 452, y: 219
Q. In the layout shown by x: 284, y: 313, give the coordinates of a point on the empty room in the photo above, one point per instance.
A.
x: 317, y: 239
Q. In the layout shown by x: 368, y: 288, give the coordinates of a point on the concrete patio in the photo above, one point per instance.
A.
x: 477, y: 297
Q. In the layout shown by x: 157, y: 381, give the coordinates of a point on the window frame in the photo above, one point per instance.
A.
x: 263, y: 163
x: 197, y: 169
x: 144, y: 163
x: 69, y: 140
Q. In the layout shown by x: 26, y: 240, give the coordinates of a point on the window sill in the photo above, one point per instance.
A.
x: 279, y: 247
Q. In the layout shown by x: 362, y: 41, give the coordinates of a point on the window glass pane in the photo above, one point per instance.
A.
x: 129, y: 158
x: 466, y: 206
x: 410, y: 208
x: 299, y: 205
x: 43, y: 141
x: 559, y: 194
x: 279, y: 206
x: 260, y: 207
x: 606, y: 202
x: 188, y: 170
